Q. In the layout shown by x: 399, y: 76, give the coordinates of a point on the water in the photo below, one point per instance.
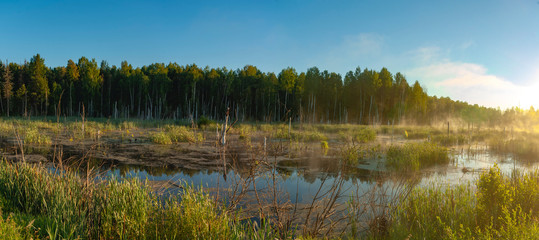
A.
x: 298, y: 179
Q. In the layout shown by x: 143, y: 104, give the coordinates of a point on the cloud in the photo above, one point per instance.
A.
x: 435, y: 68
x: 471, y: 82
x: 362, y: 44
x: 363, y: 49
x: 425, y: 55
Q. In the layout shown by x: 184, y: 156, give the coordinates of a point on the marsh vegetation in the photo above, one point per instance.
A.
x: 119, y: 179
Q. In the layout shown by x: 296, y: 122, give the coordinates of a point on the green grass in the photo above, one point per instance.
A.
x: 416, y: 155
x: 450, y: 140
x: 41, y: 204
x: 175, y: 134
x: 33, y: 135
x: 9, y: 230
x: 496, y: 206
x: 160, y: 138
x: 353, y: 154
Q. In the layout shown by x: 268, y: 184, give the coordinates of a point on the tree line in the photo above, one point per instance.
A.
x: 173, y: 91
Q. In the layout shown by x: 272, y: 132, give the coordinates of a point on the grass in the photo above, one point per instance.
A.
x: 39, y: 204
x: 416, y: 155
x: 359, y: 134
x: 175, y: 134
x: 523, y: 147
x: 33, y: 135
x: 450, y: 140
x: 9, y: 230
x: 62, y: 205
x: 496, y: 206
x: 353, y: 154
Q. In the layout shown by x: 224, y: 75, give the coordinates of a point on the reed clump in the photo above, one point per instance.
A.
x: 62, y: 205
x: 33, y: 135
x: 522, y: 147
x: 9, y: 228
x: 496, y: 206
x: 416, y: 155
x: 450, y: 140
x: 420, y: 132
x: 160, y: 138
x: 175, y: 134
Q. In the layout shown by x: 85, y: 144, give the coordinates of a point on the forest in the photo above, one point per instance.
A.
x: 173, y: 91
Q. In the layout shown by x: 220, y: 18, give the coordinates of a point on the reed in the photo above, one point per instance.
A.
x: 63, y: 205
x: 495, y: 206
x: 416, y: 155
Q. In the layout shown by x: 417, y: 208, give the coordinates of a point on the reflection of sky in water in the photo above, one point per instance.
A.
x: 304, y: 178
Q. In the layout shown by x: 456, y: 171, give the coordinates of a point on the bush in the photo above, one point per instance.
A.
x: 204, y: 121
x: 160, y: 138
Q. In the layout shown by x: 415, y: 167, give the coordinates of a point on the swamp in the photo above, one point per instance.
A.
x: 177, y: 180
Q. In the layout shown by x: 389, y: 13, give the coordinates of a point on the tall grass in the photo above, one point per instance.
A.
x: 522, y: 147
x: 497, y: 206
x: 175, y: 134
x: 9, y: 230
x: 360, y: 135
x: 414, y: 156
x: 33, y: 135
x: 63, y: 205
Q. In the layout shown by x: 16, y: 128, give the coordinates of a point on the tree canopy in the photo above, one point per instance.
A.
x: 158, y: 91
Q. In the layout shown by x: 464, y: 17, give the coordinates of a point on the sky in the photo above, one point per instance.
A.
x: 482, y: 52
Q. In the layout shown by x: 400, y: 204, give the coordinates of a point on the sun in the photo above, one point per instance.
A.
x: 530, y: 96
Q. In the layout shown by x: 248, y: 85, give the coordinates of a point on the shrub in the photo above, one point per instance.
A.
x: 204, y: 121
x: 160, y: 138
x: 324, y: 145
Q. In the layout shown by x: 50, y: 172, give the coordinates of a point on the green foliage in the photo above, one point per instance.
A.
x: 175, y: 134
x: 497, y: 207
x: 182, y: 134
x: 449, y: 140
x: 357, y: 134
x: 420, y: 133
x: 33, y: 135
x: 352, y: 154
x: 195, y: 216
x: 415, y: 156
x: 64, y: 206
x: 123, y: 209
x: 364, y: 135
x: 161, y: 138
x: 159, y: 91
x: 204, y: 121
x: 9, y: 229
x: 324, y: 145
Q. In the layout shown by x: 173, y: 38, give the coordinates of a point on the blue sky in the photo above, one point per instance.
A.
x: 484, y: 52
